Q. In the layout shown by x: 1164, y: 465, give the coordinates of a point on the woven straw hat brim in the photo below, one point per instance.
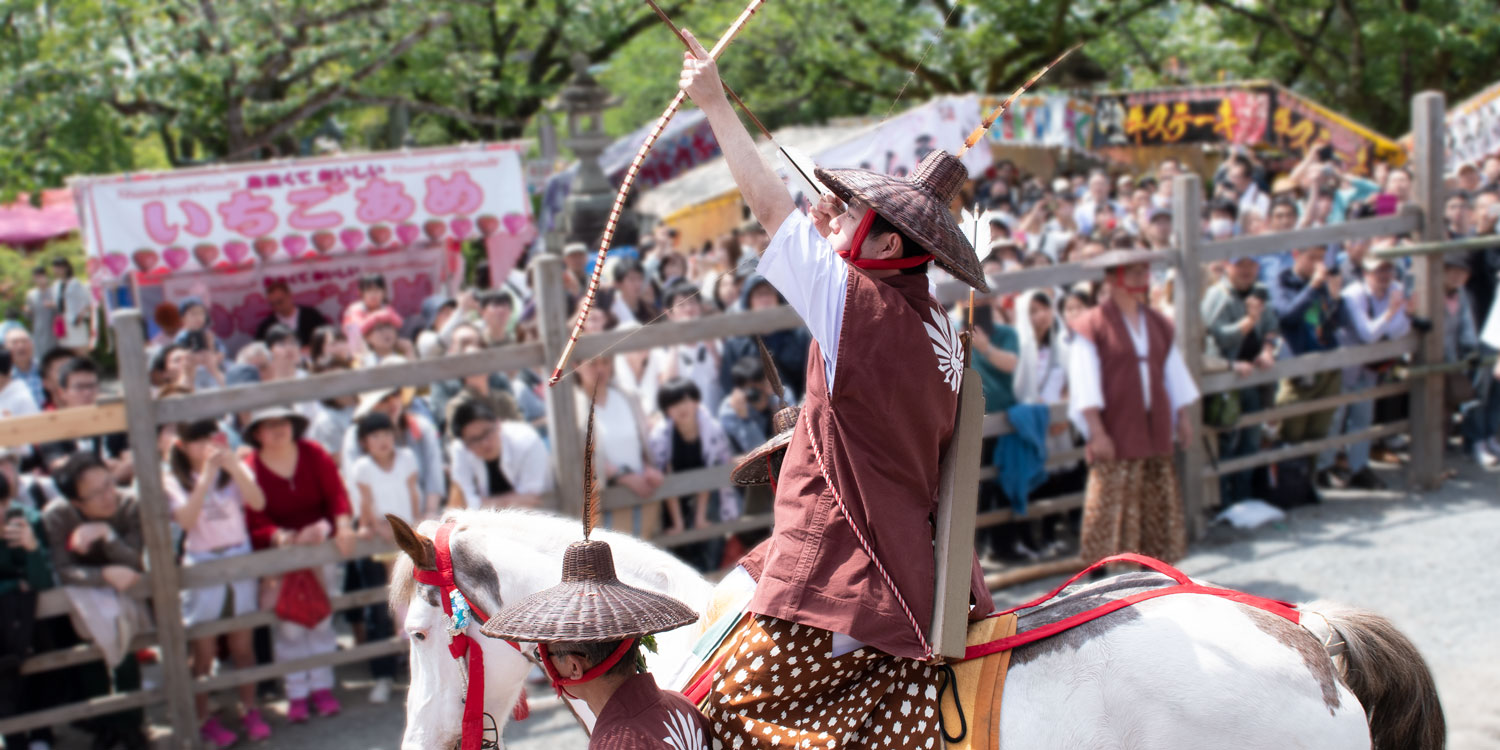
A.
x: 588, y: 612
x: 920, y: 215
x: 752, y: 471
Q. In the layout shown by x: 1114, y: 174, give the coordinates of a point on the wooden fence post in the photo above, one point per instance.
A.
x: 1187, y: 236
x: 1427, y: 415
x: 554, y: 319
x: 162, y: 574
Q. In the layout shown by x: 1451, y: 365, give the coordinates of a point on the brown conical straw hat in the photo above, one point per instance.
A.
x: 756, y: 467
x: 590, y: 605
x: 919, y: 207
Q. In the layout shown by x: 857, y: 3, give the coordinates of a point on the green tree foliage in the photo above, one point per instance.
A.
x: 91, y: 85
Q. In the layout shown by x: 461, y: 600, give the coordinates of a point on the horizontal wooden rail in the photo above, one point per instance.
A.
x: 63, y: 424
x: 105, y: 704
x: 714, y: 531
x: 1039, y: 508
x: 1299, y: 450
x: 1026, y: 573
x: 87, y: 652
x: 1407, y: 221
x: 218, y: 402
x: 1279, y: 413
x: 237, y: 677
x: 1308, y: 364
x: 670, y: 333
x: 1012, y: 282
x: 275, y: 562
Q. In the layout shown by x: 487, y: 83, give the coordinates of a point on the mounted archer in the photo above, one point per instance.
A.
x: 859, y: 477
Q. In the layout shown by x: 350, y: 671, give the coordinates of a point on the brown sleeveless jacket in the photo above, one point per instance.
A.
x: 1135, y: 431
x: 882, y: 434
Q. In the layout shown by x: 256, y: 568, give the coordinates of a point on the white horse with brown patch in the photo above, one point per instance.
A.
x: 1185, y: 671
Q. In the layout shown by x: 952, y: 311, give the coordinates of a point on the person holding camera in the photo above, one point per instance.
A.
x: 1322, y: 175
x: 24, y: 571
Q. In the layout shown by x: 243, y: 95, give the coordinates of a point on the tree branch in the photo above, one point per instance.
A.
x: 332, y: 92
x: 935, y: 80
x: 431, y: 108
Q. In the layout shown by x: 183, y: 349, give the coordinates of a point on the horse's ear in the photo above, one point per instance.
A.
x: 418, y: 547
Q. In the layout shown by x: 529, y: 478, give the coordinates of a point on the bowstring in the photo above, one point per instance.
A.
x: 698, y: 295
x: 913, y: 74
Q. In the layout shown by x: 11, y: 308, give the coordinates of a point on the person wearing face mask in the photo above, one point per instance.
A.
x: 1222, y: 215
x: 1129, y: 390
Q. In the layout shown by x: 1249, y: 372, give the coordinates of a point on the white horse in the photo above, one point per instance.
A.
x: 1184, y: 671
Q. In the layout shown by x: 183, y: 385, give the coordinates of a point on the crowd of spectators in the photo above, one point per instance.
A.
x: 330, y: 470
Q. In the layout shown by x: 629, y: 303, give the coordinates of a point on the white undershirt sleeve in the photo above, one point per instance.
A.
x: 814, y: 280
x: 1084, y: 388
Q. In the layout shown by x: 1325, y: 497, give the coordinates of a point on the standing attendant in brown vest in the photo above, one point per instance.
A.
x: 1128, y: 389
x: 833, y: 655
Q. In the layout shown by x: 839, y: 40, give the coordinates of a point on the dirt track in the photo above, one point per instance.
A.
x: 1424, y: 562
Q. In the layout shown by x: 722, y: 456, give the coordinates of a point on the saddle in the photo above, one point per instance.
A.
x: 972, y: 688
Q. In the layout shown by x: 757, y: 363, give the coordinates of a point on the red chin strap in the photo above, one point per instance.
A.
x: 875, y: 264
x: 561, y: 683
x: 1137, y: 290
x: 461, y: 645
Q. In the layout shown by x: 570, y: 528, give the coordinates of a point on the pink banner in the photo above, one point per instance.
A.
x: 238, y: 217
x: 237, y: 302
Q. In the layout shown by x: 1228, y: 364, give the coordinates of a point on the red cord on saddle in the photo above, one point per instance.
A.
x: 1184, y: 585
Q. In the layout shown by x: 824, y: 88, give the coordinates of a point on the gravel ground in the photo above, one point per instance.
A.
x: 1415, y: 559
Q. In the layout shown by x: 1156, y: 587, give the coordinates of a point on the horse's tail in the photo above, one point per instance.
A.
x: 1390, y: 678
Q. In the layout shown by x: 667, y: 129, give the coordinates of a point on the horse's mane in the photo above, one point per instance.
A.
x: 540, y: 529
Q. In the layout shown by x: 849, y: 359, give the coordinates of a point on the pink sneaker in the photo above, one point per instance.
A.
x: 325, y: 704
x: 256, y: 727
x: 216, y: 735
x: 296, y: 711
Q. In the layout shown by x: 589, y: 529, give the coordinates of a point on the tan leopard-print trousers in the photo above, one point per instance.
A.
x: 1133, y: 506
x: 780, y: 688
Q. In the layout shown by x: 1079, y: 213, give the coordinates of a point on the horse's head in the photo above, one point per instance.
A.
x: 439, y: 682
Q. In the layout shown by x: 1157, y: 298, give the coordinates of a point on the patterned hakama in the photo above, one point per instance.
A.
x: 1133, y: 506
x: 780, y: 688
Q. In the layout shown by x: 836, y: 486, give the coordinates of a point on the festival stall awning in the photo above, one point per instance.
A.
x: 894, y: 146
x: 1471, y: 130
x: 1254, y: 114
x: 221, y: 233
x: 1043, y: 120
x: 23, y: 224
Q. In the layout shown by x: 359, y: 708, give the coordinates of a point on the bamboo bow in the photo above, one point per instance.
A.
x: 625, y: 185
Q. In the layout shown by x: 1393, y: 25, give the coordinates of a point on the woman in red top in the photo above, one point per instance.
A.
x: 305, y: 504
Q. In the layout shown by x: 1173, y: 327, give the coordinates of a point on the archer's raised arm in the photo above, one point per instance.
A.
x: 762, y: 189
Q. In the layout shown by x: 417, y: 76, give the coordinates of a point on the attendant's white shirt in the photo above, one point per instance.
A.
x: 390, y: 489
x: 812, y: 278
x: 1085, y: 384
x: 523, y: 461
x: 16, y: 399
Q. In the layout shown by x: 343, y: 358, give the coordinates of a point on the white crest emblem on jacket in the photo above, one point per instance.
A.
x: 947, y: 347
x: 682, y: 732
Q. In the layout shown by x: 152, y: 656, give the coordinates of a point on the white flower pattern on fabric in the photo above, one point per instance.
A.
x: 682, y: 732
x: 948, y: 348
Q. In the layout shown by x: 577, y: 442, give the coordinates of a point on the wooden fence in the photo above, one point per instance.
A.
x: 141, y: 415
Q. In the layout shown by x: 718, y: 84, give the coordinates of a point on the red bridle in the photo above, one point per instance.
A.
x: 460, y: 645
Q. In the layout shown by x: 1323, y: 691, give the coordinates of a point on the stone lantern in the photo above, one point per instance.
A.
x: 586, y: 209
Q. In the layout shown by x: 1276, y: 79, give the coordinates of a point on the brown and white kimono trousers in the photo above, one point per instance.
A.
x: 1135, y: 376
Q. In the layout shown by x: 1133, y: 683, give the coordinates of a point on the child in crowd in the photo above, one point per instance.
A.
x: 208, y: 491
x: 386, y: 477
